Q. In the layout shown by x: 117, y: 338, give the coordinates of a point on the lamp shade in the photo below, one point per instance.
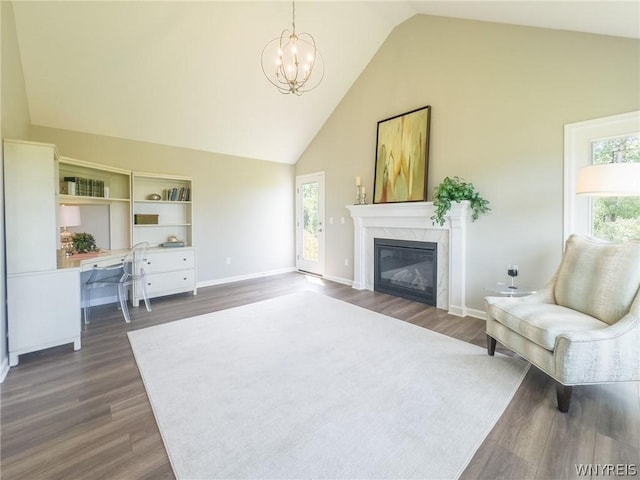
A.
x: 69, y: 215
x: 610, y: 180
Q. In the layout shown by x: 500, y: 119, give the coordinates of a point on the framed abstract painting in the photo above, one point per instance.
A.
x: 402, y: 157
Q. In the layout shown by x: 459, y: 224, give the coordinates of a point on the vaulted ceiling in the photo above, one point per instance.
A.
x: 188, y: 74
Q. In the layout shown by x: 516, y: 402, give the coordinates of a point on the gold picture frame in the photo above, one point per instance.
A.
x: 402, y: 157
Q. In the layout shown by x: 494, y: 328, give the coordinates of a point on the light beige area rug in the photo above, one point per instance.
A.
x: 306, y: 386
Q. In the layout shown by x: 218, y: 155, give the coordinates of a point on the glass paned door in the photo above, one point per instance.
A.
x: 310, y: 227
x: 310, y: 223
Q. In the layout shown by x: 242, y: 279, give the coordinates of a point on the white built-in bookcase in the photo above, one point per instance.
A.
x: 174, y: 212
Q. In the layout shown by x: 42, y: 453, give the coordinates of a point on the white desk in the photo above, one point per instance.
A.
x: 85, y: 263
x: 54, y: 318
x: 169, y: 270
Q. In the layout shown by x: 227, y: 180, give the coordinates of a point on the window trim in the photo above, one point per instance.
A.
x: 578, y: 137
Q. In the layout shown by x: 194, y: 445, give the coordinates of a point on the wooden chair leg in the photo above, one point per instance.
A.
x: 564, y: 396
x: 491, y: 345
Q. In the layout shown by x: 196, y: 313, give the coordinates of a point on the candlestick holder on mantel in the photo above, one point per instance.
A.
x: 361, y: 196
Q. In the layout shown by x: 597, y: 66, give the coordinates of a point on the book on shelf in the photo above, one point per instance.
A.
x: 85, y: 187
x: 175, y: 194
x: 67, y: 188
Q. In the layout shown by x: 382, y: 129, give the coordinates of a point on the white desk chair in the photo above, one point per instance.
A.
x: 129, y: 273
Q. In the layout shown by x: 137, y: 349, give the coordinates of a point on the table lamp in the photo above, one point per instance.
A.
x: 69, y: 217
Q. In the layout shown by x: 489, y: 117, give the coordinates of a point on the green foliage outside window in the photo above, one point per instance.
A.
x: 310, y: 221
x: 616, y: 218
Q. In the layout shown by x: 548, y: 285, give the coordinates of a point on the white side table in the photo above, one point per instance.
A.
x: 504, y: 289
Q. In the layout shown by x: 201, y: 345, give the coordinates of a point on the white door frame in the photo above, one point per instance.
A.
x: 315, y: 267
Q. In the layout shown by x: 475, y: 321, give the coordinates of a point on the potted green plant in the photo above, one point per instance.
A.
x: 84, y: 242
x: 456, y: 190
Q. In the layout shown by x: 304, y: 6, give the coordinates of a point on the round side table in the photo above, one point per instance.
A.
x: 504, y: 289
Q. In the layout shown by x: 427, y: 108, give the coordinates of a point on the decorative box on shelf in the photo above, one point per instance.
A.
x: 145, y: 219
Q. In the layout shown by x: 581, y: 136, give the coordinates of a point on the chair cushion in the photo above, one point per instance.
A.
x: 598, y: 278
x: 540, y: 323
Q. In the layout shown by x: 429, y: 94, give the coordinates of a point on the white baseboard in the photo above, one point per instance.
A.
x: 344, y: 281
x: 4, y: 369
x: 472, y: 312
x: 240, y: 278
x: 459, y: 311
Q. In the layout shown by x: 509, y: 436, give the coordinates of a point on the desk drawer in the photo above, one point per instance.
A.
x: 167, y: 261
x: 171, y: 282
x: 107, y: 262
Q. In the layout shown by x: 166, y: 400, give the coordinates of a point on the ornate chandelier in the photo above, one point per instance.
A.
x: 291, y: 61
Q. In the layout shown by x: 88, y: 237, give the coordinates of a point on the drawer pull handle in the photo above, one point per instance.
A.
x: 184, y: 278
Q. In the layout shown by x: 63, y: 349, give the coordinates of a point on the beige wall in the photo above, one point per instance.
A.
x: 243, y: 208
x: 15, y: 109
x: 500, y: 95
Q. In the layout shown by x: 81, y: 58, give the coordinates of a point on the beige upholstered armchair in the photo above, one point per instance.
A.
x: 583, y: 327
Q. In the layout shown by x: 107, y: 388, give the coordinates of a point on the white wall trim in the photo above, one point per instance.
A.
x: 240, y: 278
x: 475, y: 313
x: 343, y: 281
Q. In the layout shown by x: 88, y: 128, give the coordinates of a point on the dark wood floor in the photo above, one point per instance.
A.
x: 85, y: 414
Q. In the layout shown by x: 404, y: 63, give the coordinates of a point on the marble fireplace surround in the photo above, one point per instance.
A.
x: 412, y: 221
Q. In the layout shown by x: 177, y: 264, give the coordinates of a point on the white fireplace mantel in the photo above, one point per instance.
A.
x: 412, y: 221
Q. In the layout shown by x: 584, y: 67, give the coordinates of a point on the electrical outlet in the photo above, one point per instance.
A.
x: 342, y: 220
x: 346, y: 262
x: 330, y: 220
x: 228, y: 261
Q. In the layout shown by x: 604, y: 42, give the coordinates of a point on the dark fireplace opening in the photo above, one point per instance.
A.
x: 406, y: 268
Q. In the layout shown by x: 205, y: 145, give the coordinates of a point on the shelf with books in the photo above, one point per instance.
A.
x: 104, y: 196
x: 79, y: 178
x: 167, y: 198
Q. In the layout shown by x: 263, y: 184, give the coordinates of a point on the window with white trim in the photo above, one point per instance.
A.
x: 615, y: 218
x: 601, y: 140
